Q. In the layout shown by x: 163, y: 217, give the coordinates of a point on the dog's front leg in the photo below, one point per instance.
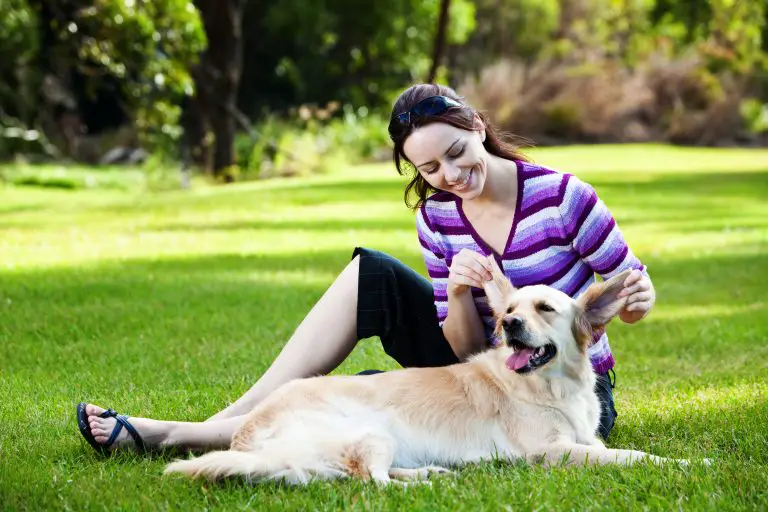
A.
x: 580, y: 454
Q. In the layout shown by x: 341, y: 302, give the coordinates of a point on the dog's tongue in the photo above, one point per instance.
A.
x: 520, y: 358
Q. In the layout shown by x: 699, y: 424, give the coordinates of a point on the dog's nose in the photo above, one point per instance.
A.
x: 512, y: 322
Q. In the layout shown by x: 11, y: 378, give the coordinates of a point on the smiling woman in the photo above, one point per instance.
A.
x: 477, y: 197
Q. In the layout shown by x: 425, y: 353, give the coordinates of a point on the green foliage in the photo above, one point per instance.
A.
x: 729, y: 33
x: 149, y: 46
x: 504, y: 27
x: 461, y: 21
x: 341, y: 50
x: 18, y: 34
x: 755, y: 114
x: 19, y: 42
x: 735, y: 35
x: 562, y: 119
x: 312, y: 140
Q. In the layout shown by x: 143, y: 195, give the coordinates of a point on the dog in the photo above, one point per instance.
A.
x: 531, y: 397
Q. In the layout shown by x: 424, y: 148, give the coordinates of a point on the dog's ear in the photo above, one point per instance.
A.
x: 601, y: 301
x: 499, y: 289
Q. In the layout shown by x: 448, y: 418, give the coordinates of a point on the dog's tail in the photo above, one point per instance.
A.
x: 217, y: 465
x: 254, y: 466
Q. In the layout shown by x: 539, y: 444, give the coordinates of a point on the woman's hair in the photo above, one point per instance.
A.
x: 498, y: 144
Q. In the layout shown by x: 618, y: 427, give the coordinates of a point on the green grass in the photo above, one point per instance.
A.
x: 170, y: 305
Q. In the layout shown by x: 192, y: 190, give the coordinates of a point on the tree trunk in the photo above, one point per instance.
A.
x: 219, y: 77
x: 195, y: 120
x: 439, y: 48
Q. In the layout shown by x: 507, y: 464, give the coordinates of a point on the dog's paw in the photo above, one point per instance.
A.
x: 418, y: 474
x: 688, y: 463
x: 438, y: 470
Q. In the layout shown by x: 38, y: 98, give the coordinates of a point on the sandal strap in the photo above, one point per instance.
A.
x: 123, y: 420
x: 115, y: 432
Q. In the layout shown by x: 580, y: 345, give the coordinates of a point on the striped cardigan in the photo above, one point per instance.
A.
x: 561, y: 236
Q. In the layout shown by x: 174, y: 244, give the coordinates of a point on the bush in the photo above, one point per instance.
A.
x: 755, y: 114
x: 677, y: 100
x: 311, y: 140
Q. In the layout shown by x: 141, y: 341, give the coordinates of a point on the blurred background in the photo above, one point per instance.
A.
x: 236, y: 90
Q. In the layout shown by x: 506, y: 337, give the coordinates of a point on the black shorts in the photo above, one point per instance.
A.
x: 396, y: 303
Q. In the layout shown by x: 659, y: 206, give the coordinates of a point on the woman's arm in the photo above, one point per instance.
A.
x: 462, y: 328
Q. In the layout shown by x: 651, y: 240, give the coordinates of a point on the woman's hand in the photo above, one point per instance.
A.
x: 468, y: 268
x: 640, y: 297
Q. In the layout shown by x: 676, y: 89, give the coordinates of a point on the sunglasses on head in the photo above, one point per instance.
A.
x: 432, y: 106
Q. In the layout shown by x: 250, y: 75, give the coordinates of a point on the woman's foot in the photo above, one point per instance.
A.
x: 152, y: 432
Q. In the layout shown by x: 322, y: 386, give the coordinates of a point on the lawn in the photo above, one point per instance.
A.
x: 169, y: 305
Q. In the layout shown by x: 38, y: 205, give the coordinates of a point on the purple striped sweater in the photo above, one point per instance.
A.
x: 562, y: 235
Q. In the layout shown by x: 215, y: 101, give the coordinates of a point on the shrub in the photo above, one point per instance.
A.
x: 310, y: 140
x: 677, y: 100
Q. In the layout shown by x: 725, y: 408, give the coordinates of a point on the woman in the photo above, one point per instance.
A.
x: 476, y: 196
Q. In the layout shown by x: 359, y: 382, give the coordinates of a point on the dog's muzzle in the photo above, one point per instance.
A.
x: 526, y: 358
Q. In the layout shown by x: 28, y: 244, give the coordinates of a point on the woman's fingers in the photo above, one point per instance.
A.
x: 635, y: 282
x: 473, y: 262
x: 639, y: 297
x: 470, y: 268
x: 463, y: 276
x: 639, y: 306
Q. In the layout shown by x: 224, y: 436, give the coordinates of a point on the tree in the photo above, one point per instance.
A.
x: 439, y: 46
x: 217, y: 79
x: 101, y: 63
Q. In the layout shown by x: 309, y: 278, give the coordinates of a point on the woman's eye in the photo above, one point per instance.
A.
x: 457, y: 154
x: 546, y: 308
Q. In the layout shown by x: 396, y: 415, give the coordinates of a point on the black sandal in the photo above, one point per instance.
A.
x: 122, y: 421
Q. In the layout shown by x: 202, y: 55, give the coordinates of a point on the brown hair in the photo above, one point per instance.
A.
x: 496, y: 143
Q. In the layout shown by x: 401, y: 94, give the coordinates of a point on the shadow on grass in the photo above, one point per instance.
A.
x: 685, y: 202
x: 334, y: 225
x: 739, y: 184
x: 227, y: 303
x: 712, y: 279
x: 678, y: 202
x: 688, y: 202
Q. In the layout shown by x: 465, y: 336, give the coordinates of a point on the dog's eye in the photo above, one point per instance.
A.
x: 509, y: 310
x: 546, y: 308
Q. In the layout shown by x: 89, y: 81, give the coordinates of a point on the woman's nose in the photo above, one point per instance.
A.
x: 452, y: 173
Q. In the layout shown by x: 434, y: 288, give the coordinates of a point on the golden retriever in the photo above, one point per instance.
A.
x: 532, y: 397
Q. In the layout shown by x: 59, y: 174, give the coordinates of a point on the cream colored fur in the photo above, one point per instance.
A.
x: 407, y: 424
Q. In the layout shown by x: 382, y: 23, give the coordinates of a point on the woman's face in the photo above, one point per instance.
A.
x: 449, y: 158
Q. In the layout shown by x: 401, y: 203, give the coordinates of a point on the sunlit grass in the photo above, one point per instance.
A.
x: 171, y: 304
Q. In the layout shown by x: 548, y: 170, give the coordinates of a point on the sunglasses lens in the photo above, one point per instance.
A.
x: 434, y: 106
x: 431, y: 107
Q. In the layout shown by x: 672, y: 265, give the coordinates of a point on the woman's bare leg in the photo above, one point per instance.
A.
x: 322, y: 341
x: 207, y: 435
